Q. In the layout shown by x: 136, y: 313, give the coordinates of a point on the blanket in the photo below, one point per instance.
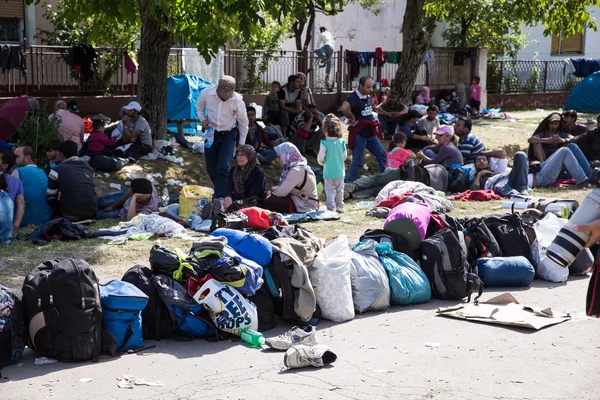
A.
x: 142, y: 224
x: 296, y: 218
x: 397, y: 188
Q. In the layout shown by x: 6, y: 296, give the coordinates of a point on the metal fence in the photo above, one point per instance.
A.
x: 521, y: 76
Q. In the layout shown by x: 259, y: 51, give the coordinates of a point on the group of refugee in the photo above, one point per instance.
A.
x: 66, y: 186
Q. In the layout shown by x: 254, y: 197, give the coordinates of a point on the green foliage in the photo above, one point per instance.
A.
x: 570, y: 83
x: 36, y: 131
x: 497, y: 25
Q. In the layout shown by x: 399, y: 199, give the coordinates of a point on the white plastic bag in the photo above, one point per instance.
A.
x: 230, y: 311
x: 370, y: 282
x: 330, y: 277
x: 546, y: 230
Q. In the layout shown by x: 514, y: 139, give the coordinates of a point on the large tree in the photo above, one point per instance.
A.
x: 209, y: 24
x: 483, y: 23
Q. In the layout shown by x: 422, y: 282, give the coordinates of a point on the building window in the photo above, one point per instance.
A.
x: 10, y: 30
x: 567, y: 45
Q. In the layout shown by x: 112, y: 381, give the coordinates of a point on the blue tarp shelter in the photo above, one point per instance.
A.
x: 182, y: 94
x: 585, y: 96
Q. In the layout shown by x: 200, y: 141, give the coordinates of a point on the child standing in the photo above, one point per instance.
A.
x: 475, y: 100
x: 397, y: 154
x: 271, y: 107
x: 332, y: 154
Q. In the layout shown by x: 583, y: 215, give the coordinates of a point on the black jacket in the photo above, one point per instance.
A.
x: 255, y: 185
x: 589, y: 143
x: 74, y: 180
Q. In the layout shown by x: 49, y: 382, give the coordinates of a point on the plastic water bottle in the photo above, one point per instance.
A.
x: 253, y: 338
x: 210, y: 137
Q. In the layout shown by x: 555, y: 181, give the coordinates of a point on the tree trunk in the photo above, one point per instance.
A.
x: 298, y: 29
x: 309, y: 28
x: 153, y: 58
x: 415, y: 42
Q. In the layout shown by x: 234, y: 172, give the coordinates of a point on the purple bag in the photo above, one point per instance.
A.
x: 409, y: 220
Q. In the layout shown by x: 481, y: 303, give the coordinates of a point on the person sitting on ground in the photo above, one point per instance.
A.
x: 136, y: 130
x: 71, y: 125
x: 141, y: 198
x: 518, y: 179
x: 486, y: 167
x: 59, y: 105
x: 35, y: 184
x: 445, y: 153
x: 459, y: 100
x: 53, y: 156
x: 475, y: 97
x: 6, y: 214
x: 429, y: 123
x: 551, y: 134
x: 306, y: 132
x: 445, y: 100
x: 99, y: 142
x: 270, y: 109
x: 416, y: 139
x: 397, y: 154
x: 116, y: 128
x: 575, y: 129
x: 424, y: 98
x: 13, y: 186
x: 589, y: 143
x: 297, y: 189
x: 246, y: 181
x: 290, y: 102
x: 332, y: 154
x: 306, y: 96
x: 71, y: 190
x: 386, y: 94
x: 469, y: 145
x: 389, y: 113
x: 258, y: 139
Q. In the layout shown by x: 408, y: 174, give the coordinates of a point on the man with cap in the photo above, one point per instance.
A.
x: 223, y: 109
x: 136, y: 130
x: 547, y: 139
x: 71, y: 125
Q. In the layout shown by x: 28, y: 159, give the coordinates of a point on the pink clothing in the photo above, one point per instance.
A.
x: 396, y: 157
x: 98, y: 141
x: 423, y: 98
x: 71, y: 126
x: 476, y: 92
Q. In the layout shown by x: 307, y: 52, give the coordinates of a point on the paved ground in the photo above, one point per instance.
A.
x: 380, y: 356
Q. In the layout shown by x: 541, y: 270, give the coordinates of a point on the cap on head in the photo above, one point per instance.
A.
x: 134, y: 105
x: 554, y: 117
x: 73, y: 107
x: 444, y: 130
x: 226, y: 87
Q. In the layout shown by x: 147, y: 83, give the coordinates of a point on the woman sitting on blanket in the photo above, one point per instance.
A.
x: 140, y: 199
x: 246, y: 181
x: 297, y: 189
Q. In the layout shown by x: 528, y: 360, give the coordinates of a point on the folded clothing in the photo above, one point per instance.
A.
x: 477, y: 195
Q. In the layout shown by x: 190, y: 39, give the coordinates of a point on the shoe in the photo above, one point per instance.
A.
x: 295, y: 336
x: 132, y: 159
x: 594, y: 178
x: 349, y: 188
x: 340, y: 210
x: 306, y: 356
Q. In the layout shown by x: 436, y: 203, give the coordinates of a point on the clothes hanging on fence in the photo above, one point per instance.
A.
x: 429, y: 59
x: 569, y: 68
x: 195, y: 64
x: 83, y: 57
x: 365, y: 57
x: 379, y: 56
x: 585, y: 66
x: 351, y: 58
x: 131, y: 64
x: 12, y: 57
x: 393, y: 57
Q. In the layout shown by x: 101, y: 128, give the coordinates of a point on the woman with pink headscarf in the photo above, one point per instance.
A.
x: 423, y: 97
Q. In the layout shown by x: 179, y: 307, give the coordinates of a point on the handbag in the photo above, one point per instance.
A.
x: 234, y: 220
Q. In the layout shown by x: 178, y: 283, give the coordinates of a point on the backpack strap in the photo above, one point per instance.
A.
x: 301, y: 186
x: 98, y: 330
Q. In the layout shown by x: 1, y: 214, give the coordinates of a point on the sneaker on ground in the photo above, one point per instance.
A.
x: 348, y: 189
x: 305, y: 336
x: 340, y: 210
x: 306, y: 356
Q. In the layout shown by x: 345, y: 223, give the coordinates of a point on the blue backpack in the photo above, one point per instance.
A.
x: 251, y: 246
x: 122, y: 305
x: 190, y: 318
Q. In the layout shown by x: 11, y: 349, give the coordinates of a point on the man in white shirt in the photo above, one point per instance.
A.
x: 325, y: 45
x: 222, y: 108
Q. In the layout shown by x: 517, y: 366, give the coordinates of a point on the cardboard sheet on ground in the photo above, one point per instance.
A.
x: 505, y: 309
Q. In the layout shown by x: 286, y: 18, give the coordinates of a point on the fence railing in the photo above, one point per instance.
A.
x: 51, y: 71
x: 526, y: 76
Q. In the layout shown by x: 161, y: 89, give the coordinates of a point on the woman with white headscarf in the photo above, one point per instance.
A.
x: 306, y: 96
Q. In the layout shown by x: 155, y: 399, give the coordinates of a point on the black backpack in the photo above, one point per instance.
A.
x: 509, y: 232
x: 13, y: 334
x: 278, y: 279
x: 64, y: 315
x: 398, y: 243
x: 479, y: 240
x: 156, y: 320
x: 444, y: 261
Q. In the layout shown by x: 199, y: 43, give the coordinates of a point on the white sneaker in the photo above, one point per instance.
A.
x: 305, y: 356
x: 294, y: 336
x: 340, y: 210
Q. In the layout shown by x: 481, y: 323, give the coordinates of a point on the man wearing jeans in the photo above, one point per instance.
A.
x: 364, y: 129
x: 222, y: 108
x: 518, y: 180
x: 325, y: 44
